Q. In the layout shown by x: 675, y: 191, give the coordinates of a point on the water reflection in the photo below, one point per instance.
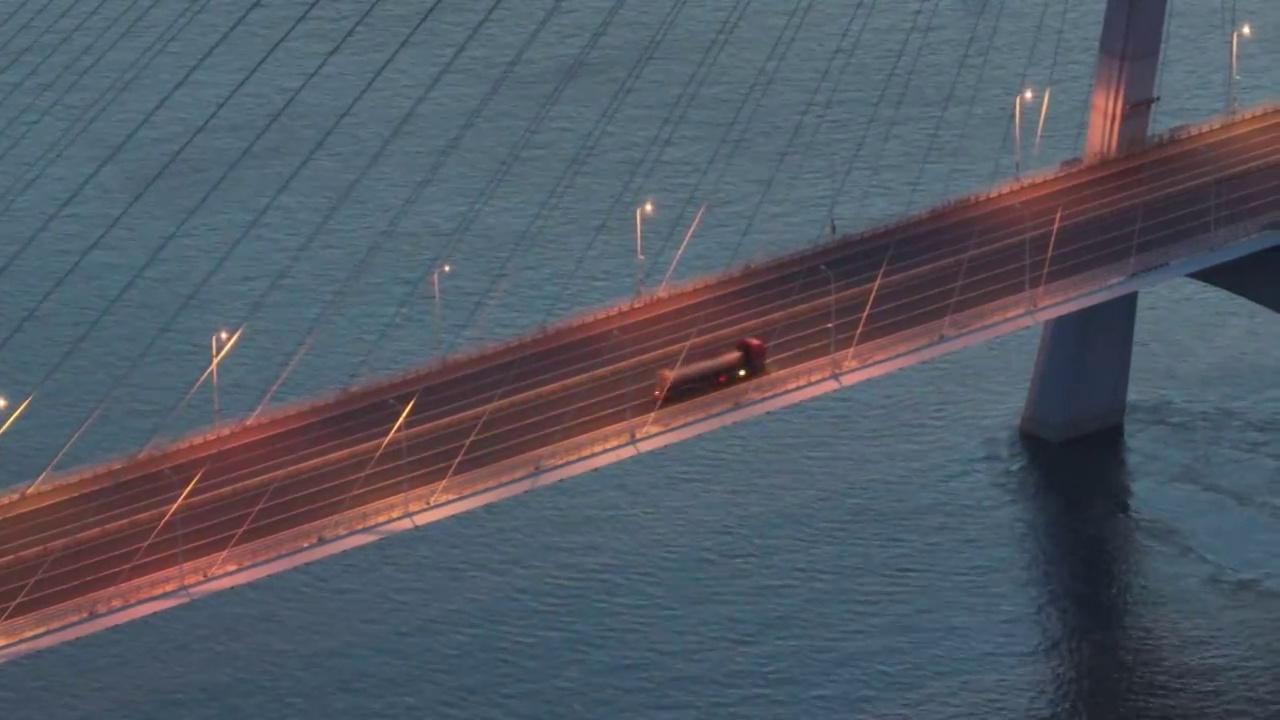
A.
x: 1102, y: 660
x: 1109, y: 649
x: 1084, y: 552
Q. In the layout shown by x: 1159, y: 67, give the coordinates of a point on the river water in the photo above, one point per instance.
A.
x: 891, y: 551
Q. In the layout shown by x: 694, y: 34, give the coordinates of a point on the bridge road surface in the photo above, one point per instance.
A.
x: 88, y: 535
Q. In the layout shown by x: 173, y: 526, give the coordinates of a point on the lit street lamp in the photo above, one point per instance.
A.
x: 435, y: 278
x: 642, y: 211
x: 1028, y: 96
x: 435, y: 286
x: 222, y: 336
x: 1242, y: 31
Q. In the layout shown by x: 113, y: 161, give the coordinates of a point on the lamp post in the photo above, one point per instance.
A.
x: 1242, y: 31
x: 831, y: 282
x: 642, y: 211
x: 435, y: 288
x: 1017, y: 128
x: 219, y: 337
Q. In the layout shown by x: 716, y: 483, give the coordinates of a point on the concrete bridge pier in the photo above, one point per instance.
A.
x: 1080, y: 384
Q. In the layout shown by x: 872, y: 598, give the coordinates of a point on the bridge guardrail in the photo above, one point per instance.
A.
x: 421, y: 374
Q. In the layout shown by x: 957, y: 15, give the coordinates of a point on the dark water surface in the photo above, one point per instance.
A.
x: 891, y: 551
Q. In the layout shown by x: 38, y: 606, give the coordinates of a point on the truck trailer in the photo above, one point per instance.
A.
x: 745, y: 361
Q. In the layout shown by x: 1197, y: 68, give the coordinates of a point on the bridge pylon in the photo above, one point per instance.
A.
x: 1080, y: 384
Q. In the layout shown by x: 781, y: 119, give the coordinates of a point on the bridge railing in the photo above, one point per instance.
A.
x: 418, y: 376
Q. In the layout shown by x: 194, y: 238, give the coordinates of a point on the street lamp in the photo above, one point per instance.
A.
x: 1242, y: 31
x: 1018, y: 99
x: 219, y: 337
x: 435, y: 286
x: 642, y: 211
x: 435, y: 278
x: 831, y: 281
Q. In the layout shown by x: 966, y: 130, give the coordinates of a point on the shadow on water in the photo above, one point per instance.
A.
x: 1102, y: 659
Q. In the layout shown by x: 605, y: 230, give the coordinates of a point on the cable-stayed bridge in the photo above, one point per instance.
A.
x: 292, y: 485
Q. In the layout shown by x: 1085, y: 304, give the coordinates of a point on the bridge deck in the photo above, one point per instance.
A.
x: 109, y: 536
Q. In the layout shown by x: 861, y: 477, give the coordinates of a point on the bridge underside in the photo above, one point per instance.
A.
x: 1253, y: 277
